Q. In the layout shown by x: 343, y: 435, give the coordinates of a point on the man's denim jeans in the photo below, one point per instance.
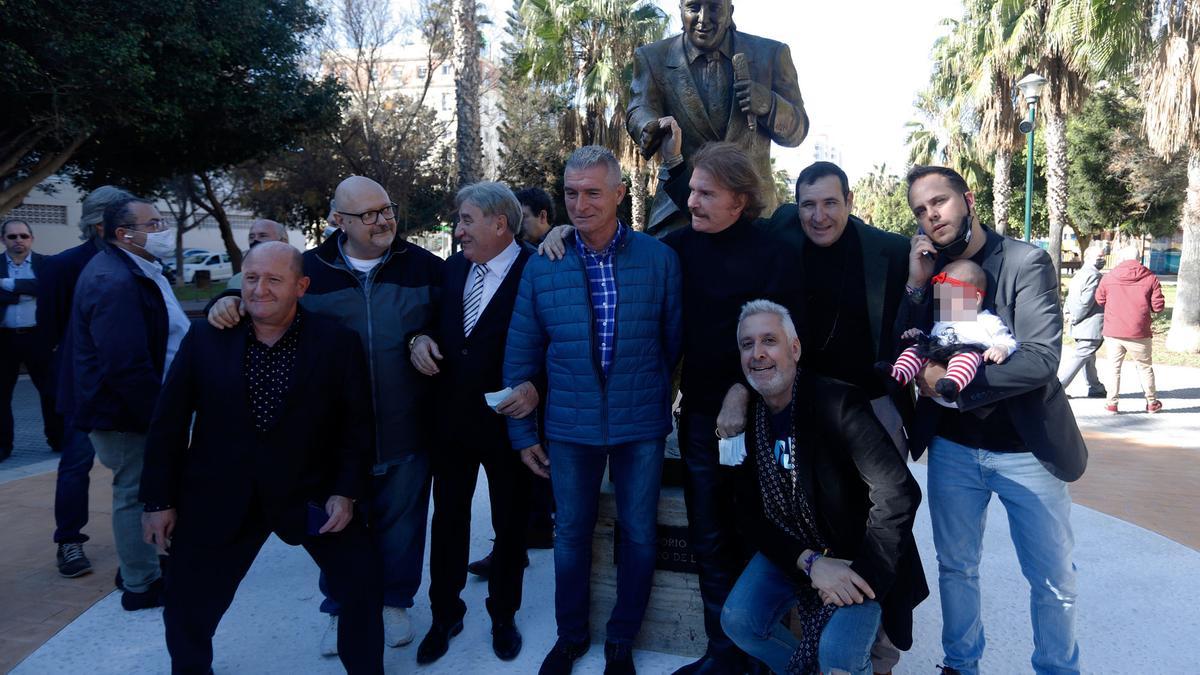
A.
x: 576, y: 471
x: 71, y: 487
x: 399, y: 512
x: 961, y: 483
x: 757, y: 603
x: 123, y: 453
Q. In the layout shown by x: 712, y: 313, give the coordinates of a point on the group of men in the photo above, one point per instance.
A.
x: 331, y: 395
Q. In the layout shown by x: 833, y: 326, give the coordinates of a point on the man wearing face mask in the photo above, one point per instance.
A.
x: 1013, y: 433
x: 126, y: 327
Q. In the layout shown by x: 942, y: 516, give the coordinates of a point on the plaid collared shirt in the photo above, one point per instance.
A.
x: 602, y: 285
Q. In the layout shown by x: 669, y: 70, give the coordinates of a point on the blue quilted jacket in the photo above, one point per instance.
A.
x: 551, y: 331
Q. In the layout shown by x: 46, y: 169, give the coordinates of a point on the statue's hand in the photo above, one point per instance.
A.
x: 649, y: 135
x: 753, y: 97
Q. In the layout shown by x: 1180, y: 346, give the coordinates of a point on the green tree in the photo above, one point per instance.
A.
x: 1171, y: 90
x: 1116, y: 183
x: 195, y: 96
x: 881, y: 199
x: 468, y: 141
x: 585, y: 48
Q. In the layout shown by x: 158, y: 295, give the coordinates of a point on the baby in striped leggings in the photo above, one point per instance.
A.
x: 963, y: 337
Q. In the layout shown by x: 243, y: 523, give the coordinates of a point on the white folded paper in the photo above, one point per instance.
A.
x: 732, y: 450
x: 495, y: 398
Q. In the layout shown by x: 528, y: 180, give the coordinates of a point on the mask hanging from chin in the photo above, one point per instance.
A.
x: 960, y: 243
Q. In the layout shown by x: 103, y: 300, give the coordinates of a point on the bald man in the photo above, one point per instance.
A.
x: 261, y: 230
x: 282, y: 443
x: 384, y: 289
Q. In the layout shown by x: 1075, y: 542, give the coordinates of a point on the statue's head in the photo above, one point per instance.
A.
x: 706, y: 21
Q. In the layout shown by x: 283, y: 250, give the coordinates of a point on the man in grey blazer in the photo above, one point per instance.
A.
x: 691, y: 77
x: 1087, y: 320
x: 1012, y: 434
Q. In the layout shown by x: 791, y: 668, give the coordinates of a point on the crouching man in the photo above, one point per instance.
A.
x: 282, y: 442
x: 828, y: 505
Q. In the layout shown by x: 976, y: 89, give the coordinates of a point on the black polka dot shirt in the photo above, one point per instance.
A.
x: 269, y: 373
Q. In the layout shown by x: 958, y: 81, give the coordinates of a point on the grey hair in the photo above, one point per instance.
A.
x: 767, y: 307
x: 93, y: 208
x: 595, y: 155
x: 494, y: 199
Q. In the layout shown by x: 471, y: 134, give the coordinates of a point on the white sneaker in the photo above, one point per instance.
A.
x: 397, y: 629
x: 329, y: 639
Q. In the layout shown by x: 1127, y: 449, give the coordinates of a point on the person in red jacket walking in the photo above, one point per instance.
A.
x: 1129, y: 294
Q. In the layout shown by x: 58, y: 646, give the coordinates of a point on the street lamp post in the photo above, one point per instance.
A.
x: 1031, y: 88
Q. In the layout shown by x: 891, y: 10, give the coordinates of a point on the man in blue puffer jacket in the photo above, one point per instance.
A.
x: 604, y: 326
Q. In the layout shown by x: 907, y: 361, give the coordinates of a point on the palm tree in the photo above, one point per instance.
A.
x: 1071, y: 43
x: 467, y: 140
x: 586, y: 48
x: 1171, y: 90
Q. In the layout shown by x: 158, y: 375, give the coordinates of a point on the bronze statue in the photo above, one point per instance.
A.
x: 720, y: 85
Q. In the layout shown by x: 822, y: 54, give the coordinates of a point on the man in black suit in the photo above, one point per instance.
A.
x: 282, y: 442
x: 21, y: 341
x: 1012, y: 433
x: 465, y: 353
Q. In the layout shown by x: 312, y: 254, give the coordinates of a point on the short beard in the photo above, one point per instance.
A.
x: 772, y: 387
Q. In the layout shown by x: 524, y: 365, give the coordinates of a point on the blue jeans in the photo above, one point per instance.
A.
x: 71, y: 487
x: 757, y: 603
x: 576, y: 471
x: 961, y: 483
x: 399, y: 512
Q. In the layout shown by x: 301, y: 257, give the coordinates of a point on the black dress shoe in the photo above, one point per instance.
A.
x: 483, y: 567
x: 1098, y: 393
x: 506, y: 639
x: 151, y: 597
x: 437, y: 641
x: 618, y: 659
x: 562, y: 657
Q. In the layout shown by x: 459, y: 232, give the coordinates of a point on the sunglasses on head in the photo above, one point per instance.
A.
x: 17, y: 235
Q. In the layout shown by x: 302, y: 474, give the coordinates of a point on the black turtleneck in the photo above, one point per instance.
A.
x: 722, y: 272
x: 837, y: 342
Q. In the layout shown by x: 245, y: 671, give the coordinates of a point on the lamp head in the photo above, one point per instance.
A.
x: 1031, y: 86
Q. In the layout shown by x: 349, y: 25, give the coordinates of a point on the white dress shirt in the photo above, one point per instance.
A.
x: 23, y: 314
x: 177, y: 321
x: 498, y: 268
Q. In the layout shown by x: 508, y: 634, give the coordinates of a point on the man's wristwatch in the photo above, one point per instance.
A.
x: 413, y: 340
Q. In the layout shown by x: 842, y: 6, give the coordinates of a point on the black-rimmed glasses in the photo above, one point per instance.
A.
x: 371, y: 217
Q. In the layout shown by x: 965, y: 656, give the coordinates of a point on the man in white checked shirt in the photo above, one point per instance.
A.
x: 464, y: 352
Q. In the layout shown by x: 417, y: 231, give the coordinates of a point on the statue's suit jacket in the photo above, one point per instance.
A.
x: 1022, y: 289
x: 663, y: 85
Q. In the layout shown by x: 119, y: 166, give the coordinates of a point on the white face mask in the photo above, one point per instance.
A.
x: 161, y: 245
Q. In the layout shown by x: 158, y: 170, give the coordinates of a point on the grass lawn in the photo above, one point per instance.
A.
x: 1159, y: 326
x: 189, y: 292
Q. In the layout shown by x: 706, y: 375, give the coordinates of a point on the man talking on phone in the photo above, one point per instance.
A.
x: 282, y: 442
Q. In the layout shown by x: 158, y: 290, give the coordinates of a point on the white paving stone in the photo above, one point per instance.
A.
x: 1139, y: 612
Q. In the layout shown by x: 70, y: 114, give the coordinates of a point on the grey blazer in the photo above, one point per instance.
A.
x: 1023, y: 292
x: 1087, y: 317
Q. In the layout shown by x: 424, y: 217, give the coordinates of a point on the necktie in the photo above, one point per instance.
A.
x: 474, y: 301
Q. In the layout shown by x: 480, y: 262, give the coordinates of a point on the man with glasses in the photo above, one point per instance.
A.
x: 125, y: 329
x: 384, y: 288
x: 20, y: 340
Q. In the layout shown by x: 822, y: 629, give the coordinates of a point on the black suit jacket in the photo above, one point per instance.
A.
x: 864, y: 501
x: 322, y: 445
x: 1023, y: 291
x: 472, y: 365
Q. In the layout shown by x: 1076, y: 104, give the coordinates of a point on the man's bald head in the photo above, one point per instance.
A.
x: 264, y: 230
x: 366, y: 215
x: 358, y: 193
x: 272, y: 254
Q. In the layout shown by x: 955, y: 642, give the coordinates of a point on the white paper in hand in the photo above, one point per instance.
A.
x: 732, y: 450
x: 495, y: 398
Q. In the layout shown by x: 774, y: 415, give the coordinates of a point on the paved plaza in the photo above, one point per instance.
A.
x: 1137, y: 550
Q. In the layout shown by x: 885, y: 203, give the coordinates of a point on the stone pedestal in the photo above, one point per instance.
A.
x: 674, y: 621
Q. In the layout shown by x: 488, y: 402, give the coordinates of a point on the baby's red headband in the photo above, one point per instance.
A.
x: 943, y: 278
